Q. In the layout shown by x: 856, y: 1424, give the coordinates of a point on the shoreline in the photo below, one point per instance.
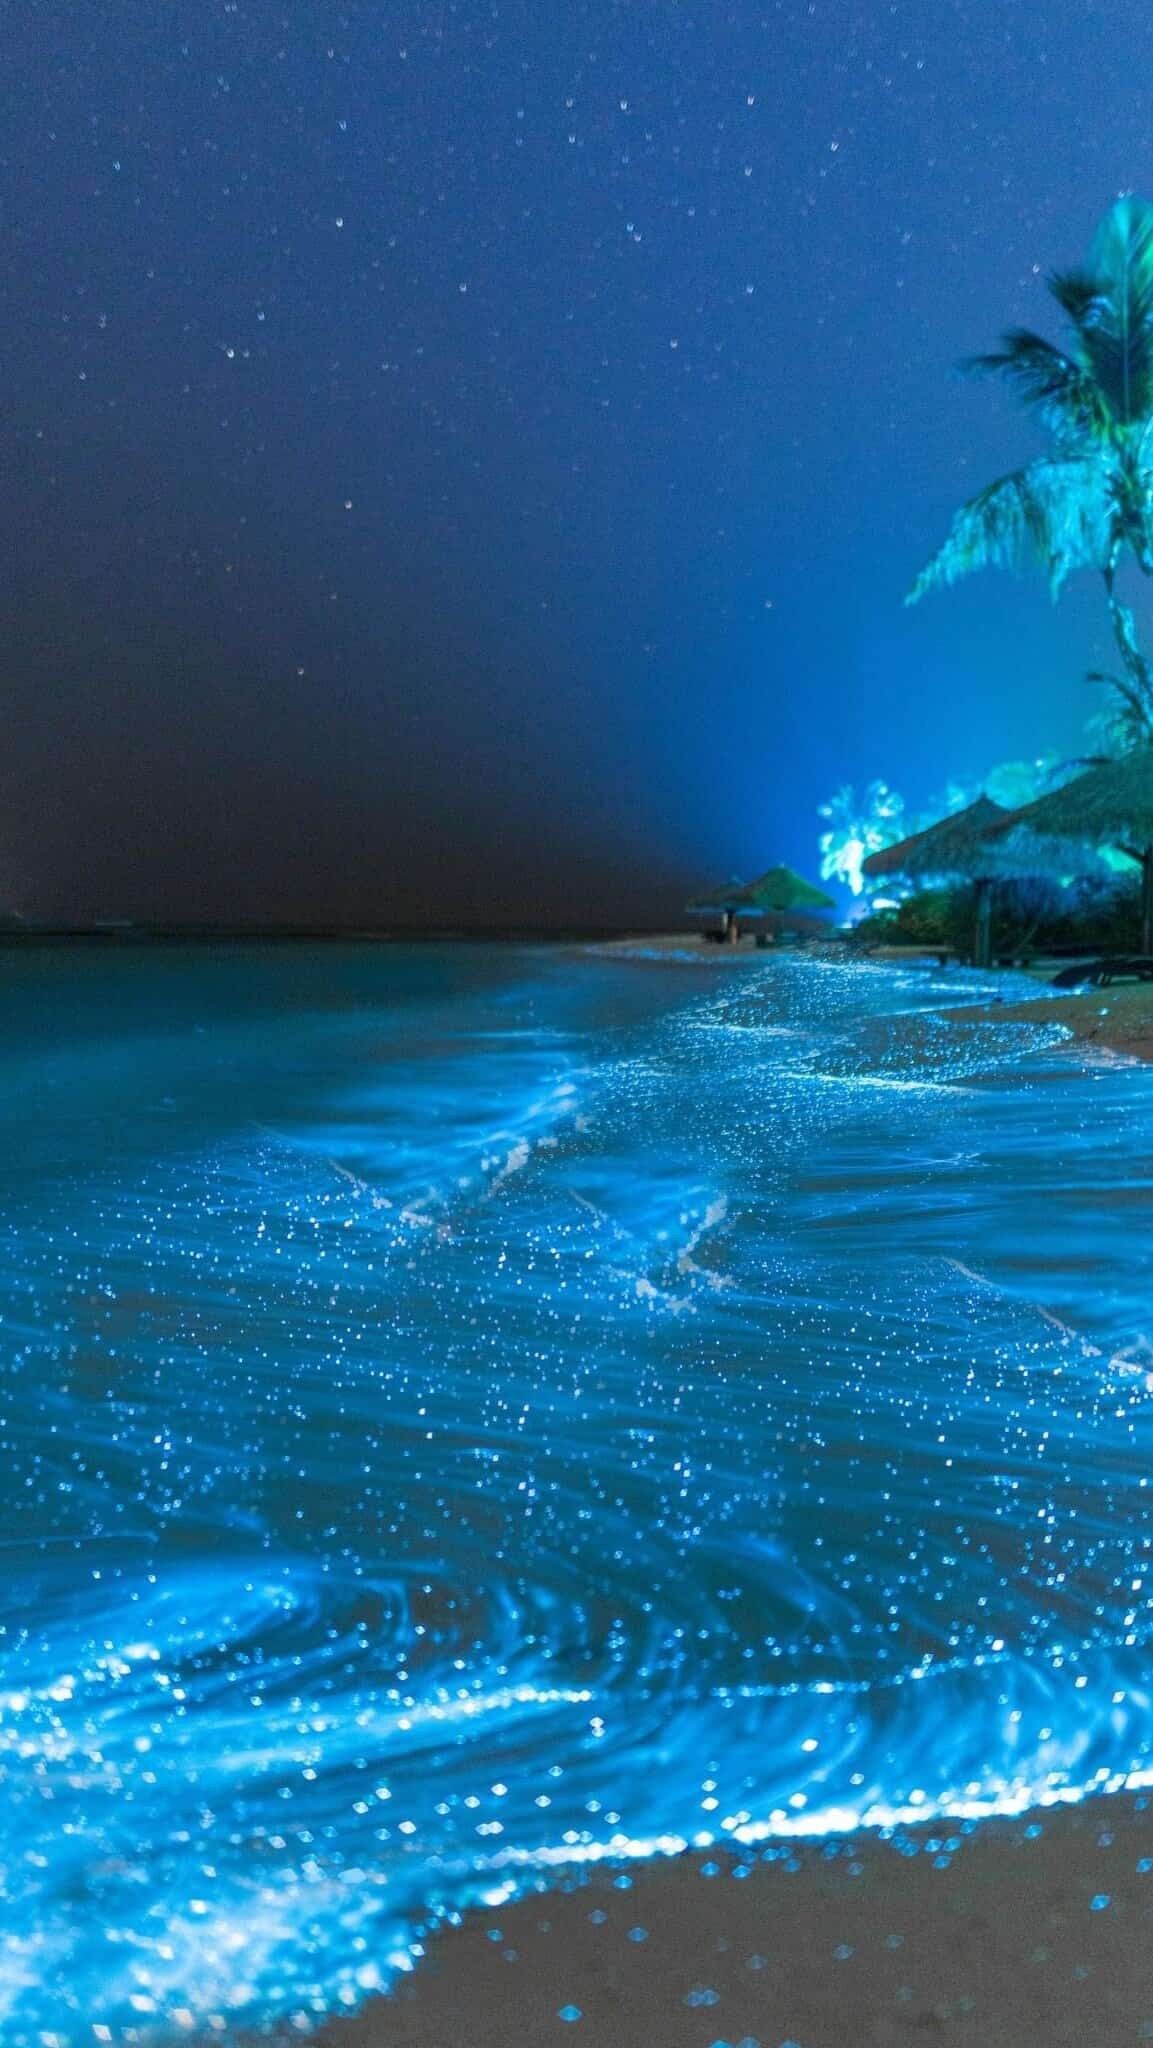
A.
x: 1120, y: 1018
x: 1031, y: 1931
x: 989, y: 1934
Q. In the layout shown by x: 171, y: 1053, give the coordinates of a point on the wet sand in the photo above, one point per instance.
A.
x: 1030, y: 1931
x: 1120, y: 1018
x: 1034, y: 1932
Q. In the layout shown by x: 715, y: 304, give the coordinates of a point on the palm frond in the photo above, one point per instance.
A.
x: 1045, y: 377
x: 1057, y: 512
x: 1074, y: 291
x: 1129, y: 714
x: 1115, y: 323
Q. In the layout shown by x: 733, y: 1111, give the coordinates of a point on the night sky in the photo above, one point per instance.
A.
x: 465, y: 461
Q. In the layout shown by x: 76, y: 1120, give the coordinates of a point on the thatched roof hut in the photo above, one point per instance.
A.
x: 1111, y: 804
x: 982, y: 844
x: 956, y: 848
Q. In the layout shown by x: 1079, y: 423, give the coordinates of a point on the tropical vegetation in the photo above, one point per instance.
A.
x: 1028, y: 918
x: 857, y: 827
x: 1087, y: 502
x: 1084, y: 503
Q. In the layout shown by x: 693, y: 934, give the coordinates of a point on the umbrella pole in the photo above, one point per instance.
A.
x: 983, y: 934
x: 1147, y: 900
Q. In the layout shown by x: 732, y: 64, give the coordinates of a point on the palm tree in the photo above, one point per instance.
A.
x: 1089, y: 501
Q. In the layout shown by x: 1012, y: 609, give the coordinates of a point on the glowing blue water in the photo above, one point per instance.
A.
x: 469, y: 1408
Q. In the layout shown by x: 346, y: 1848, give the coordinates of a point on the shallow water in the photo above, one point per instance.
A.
x: 473, y: 1408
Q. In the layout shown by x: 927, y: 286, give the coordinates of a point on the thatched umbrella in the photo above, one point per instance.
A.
x: 956, y: 848
x: 1109, y: 805
x: 786, y: 897
x: 728, y: 901
x: 781, y: 890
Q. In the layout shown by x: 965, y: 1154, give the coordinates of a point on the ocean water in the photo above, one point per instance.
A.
x: 468, y: 1410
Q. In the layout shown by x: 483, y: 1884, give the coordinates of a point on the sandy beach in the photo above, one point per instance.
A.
x: 1029, y: 1931
x: 1120, y: 1018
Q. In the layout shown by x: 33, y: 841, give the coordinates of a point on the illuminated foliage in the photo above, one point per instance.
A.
x: 859, y: 826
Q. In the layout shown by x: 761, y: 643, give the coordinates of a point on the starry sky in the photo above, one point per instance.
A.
x: 463, y: 459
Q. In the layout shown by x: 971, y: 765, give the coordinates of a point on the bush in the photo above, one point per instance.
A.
x: 1029, y: 916
x: 928, y: 919
x: 1099, y: 916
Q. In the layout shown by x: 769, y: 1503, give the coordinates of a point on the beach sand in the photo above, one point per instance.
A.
x: 1120, y: 1018
x: 1027, y: 1933
x: 1035, y: 1932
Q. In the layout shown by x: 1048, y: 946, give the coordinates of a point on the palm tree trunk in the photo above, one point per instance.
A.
x: 983, y: 931
x: 1147, y: 900
x: 1136, y: 667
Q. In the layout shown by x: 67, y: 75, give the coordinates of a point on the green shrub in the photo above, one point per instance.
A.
x: 929, y: 919
x: 1029, y: 916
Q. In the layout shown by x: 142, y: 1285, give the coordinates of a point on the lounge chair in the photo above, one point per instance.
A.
x: 1100, y: 973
